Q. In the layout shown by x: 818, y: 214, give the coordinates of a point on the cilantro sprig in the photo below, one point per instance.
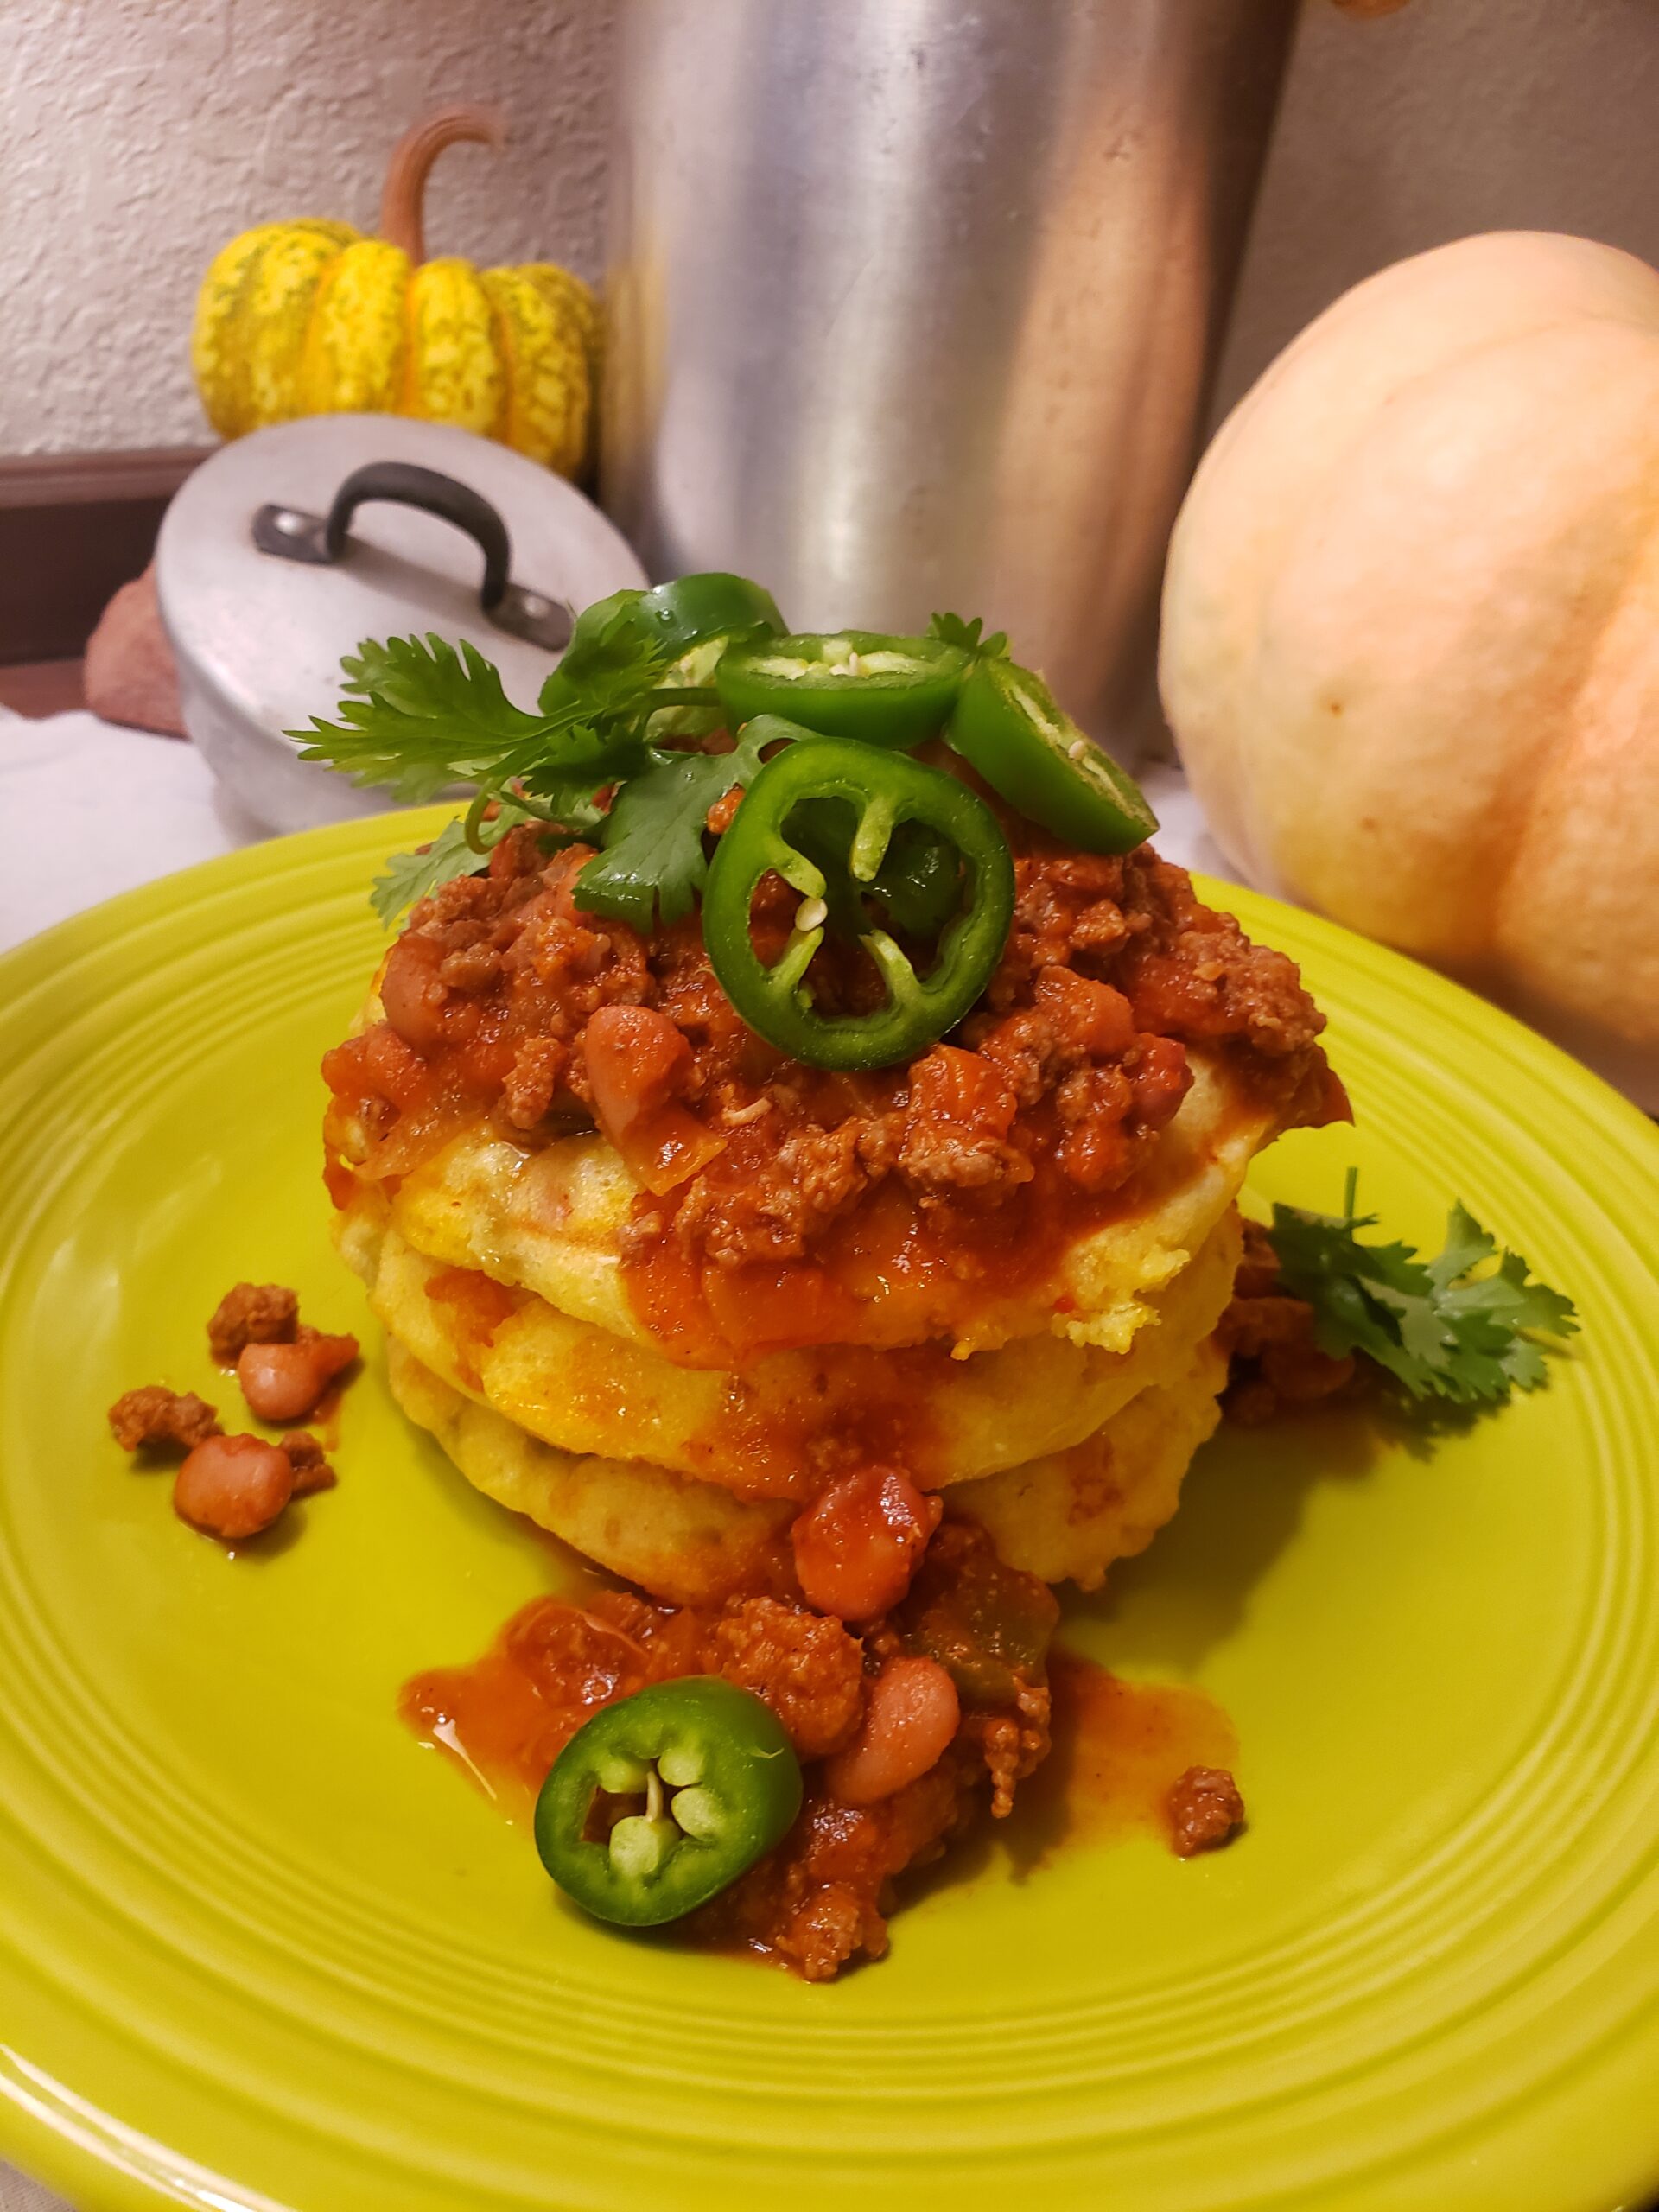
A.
x: 408, y: 878
x: 420, y: 717
x: 651, y: 859
x: 458, y: 848
x: 952, y: 630
x: 1454, y: 1327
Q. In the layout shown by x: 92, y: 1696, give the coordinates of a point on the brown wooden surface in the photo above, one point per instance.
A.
x: 42, y: 687
x: 73, y: 528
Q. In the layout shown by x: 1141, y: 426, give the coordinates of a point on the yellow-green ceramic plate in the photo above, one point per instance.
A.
x: 257, y: 1948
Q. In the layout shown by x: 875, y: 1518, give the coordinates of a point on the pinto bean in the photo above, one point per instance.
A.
x: 636, y: 1060
x: 412, y: 992
x: 1160, y: 1079
x: 857, y: 1548
x: 561, y: 875
x: 910, y: 1718
x: 393, y: 1070
x: 233, y: 1486
x: 284, y: 1382
x: 638, y: 1063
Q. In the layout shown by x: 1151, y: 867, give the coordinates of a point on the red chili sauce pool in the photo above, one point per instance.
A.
x: 1119, y: 1750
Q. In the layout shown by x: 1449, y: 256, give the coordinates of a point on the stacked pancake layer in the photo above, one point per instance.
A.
x: 1066, y: 1428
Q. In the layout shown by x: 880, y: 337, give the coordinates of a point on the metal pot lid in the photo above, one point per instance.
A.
x: 260, y: 598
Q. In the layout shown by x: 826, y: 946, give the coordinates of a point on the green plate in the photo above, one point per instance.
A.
x: 258, y: 1948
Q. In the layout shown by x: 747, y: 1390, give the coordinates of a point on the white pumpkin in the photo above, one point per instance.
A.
x: 1410, y: 646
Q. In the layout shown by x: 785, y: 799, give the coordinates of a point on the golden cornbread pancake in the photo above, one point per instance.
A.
x: 686, y: 1541
x: 792, y: 1420
x: 1069, y: 1515
x: 553, y: 1221
x: 1066, y: 1517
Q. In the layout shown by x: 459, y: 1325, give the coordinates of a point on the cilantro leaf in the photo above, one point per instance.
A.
x: 1466, y: 1245
x: 1452, y: 1327
x: 652, y: 862
x: 461, y: 848
x: 952, y: 630
x: 419, y: 716
x: 568, y: 783
x: 408, y: 877
x: 605, y: 674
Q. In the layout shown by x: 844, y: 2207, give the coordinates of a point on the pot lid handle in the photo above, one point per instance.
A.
x: 293, y: 534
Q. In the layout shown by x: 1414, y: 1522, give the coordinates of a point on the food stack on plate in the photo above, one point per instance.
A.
x: 664, y: 1249
x: 792, y: 1149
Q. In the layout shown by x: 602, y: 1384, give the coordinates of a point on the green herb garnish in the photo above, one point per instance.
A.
x: 952, y: 630
x: 1452, y: 1327
x: 420, y: 717
x: 596, y: 761
x: 457, y: 849
x: 408, y: 878
x: 651, y: 858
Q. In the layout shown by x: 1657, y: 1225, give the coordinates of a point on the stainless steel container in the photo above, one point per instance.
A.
x: 912, y: 304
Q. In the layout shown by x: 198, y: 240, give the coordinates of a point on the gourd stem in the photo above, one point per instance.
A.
x: 402, y: 214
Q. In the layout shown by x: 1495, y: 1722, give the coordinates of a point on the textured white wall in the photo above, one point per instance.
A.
x: 137, y: 136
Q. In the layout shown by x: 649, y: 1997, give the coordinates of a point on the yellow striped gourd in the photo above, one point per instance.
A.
x: 312, y: 318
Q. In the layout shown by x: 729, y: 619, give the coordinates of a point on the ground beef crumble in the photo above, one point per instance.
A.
x: 1268, y: 1335
x: 156, y: 1416
x: 309, y: 1462
x: 805, y: 1666
x: 1059, y: 1081
x: 1205, y: 1810
x: 252, y: 1313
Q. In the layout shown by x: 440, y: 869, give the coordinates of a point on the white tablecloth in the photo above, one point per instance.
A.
x: 87, y: 809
